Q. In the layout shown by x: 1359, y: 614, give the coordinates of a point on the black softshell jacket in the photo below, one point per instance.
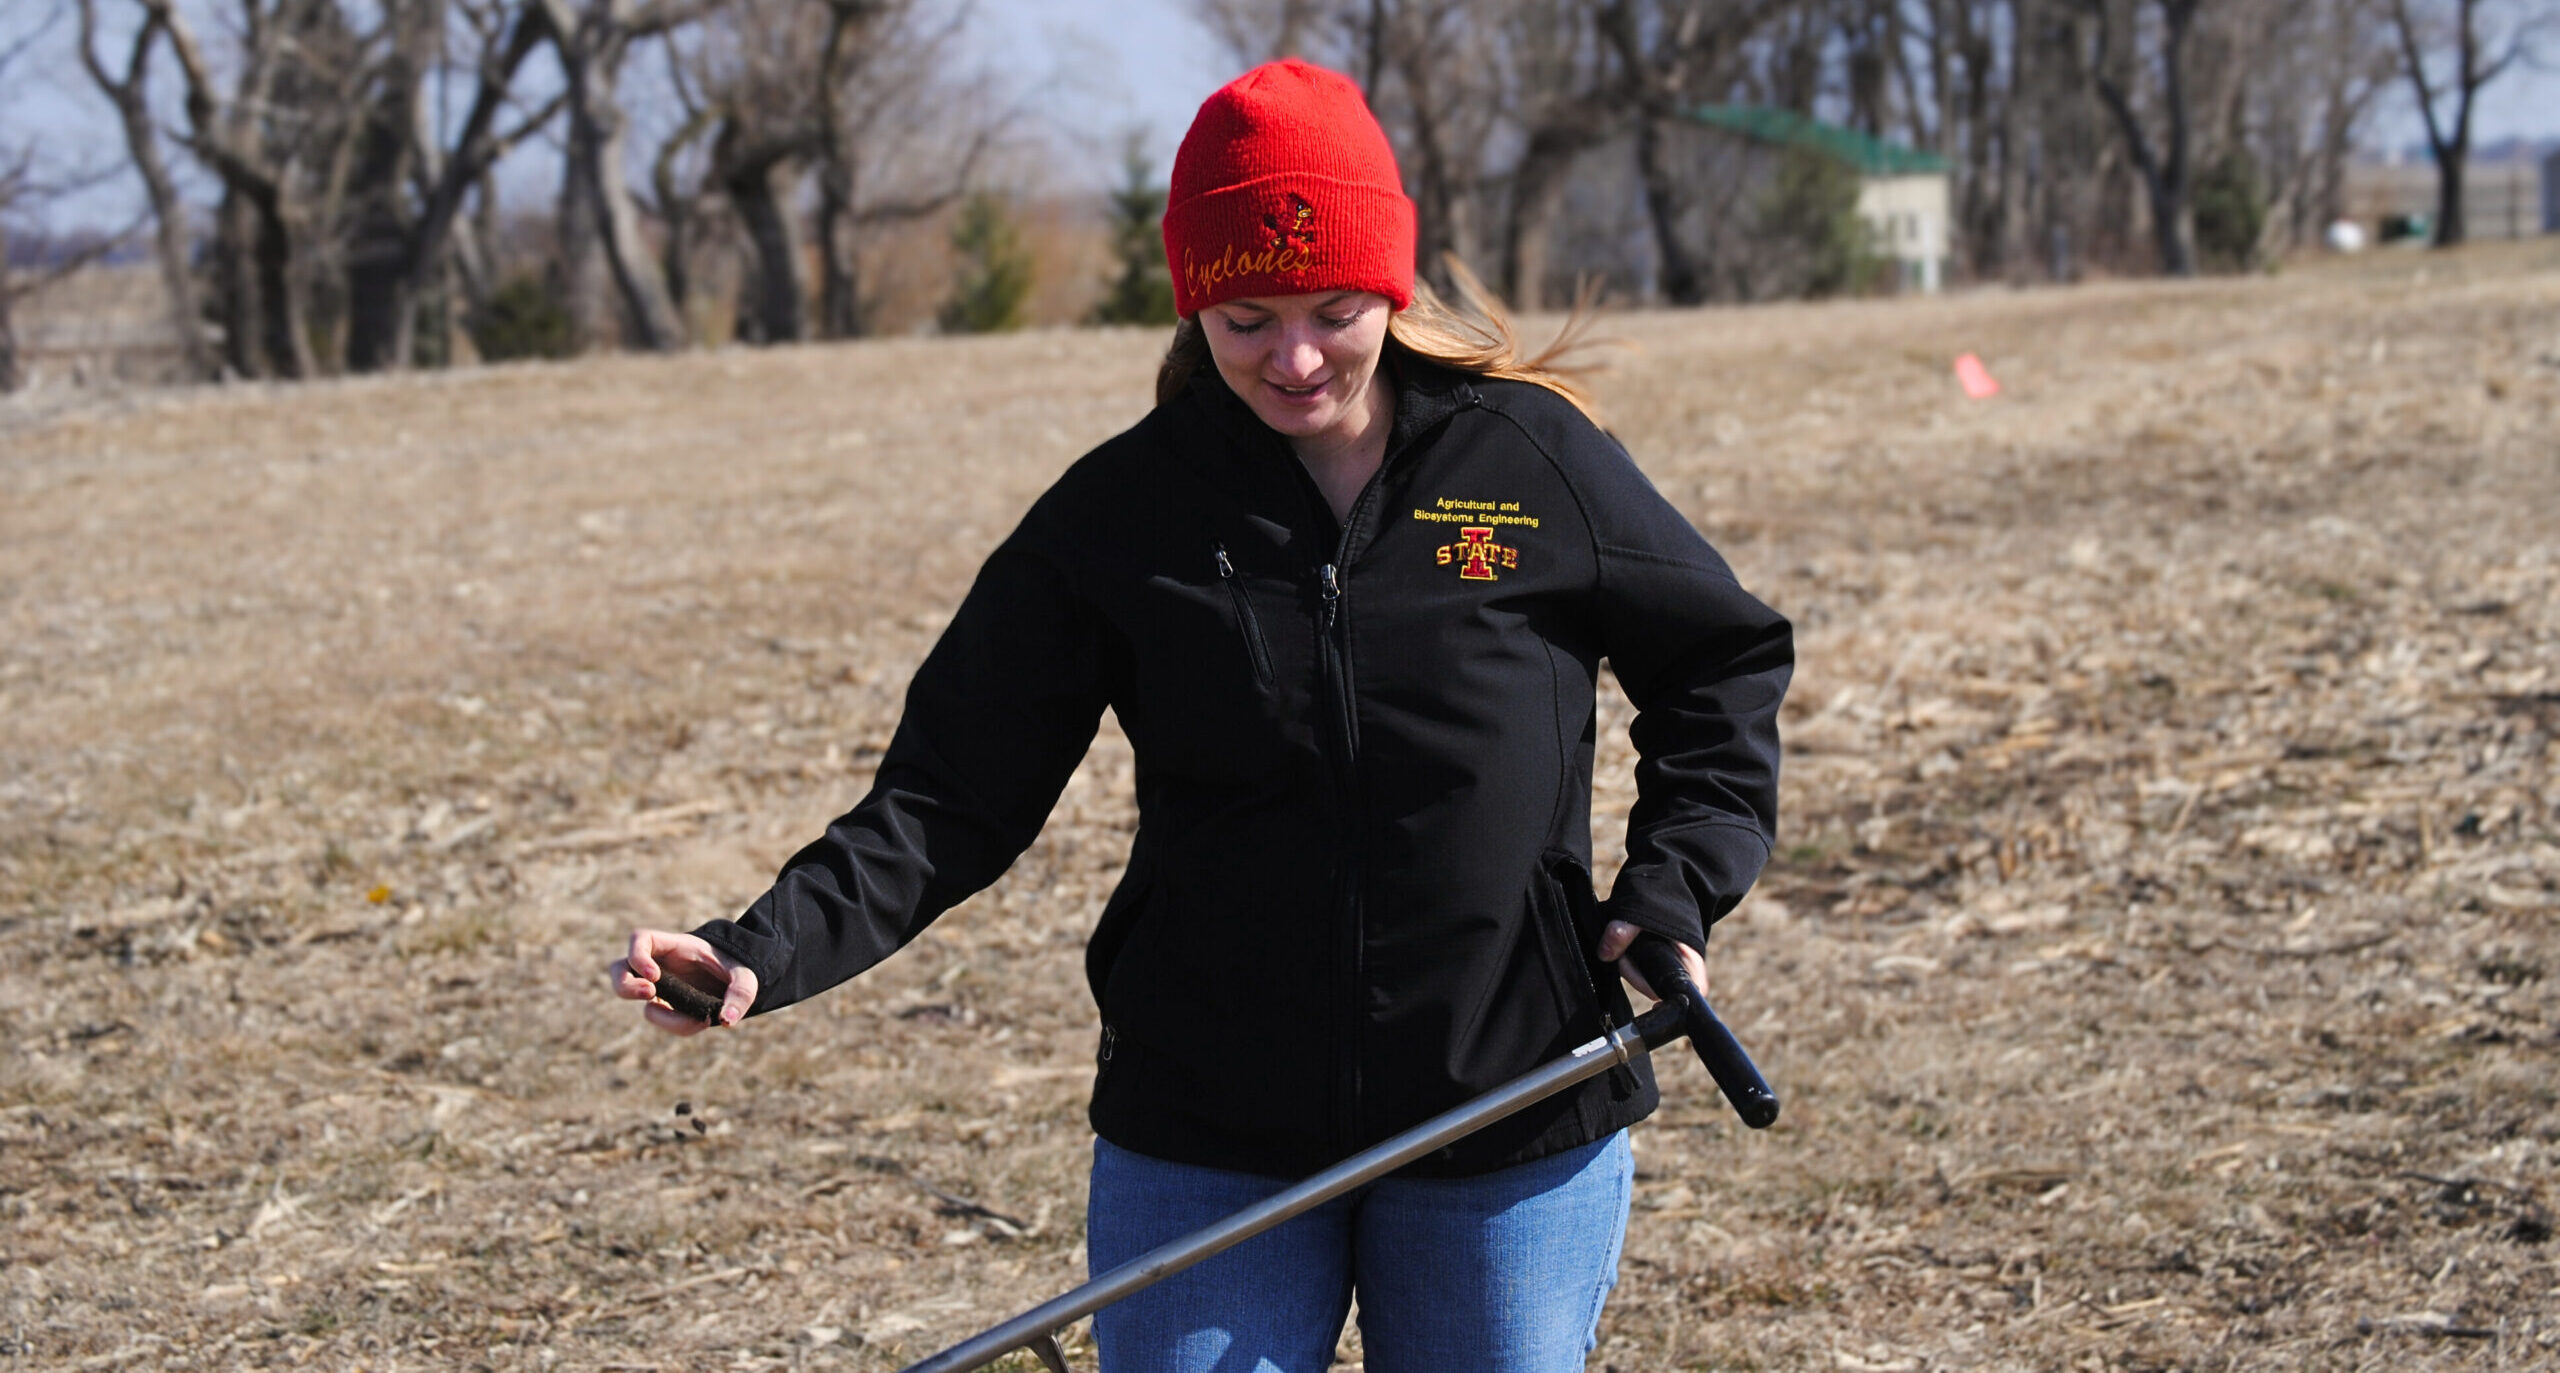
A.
x: 1358, y: 893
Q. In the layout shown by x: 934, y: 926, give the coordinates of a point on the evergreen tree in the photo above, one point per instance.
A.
x: 1809, y: 216
x: 994, y: 280
x: 1143, y: 292
x: 525, y: 318
x: 2231, y: 211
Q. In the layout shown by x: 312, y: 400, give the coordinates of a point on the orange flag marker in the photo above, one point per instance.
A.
x: 1975, y: 378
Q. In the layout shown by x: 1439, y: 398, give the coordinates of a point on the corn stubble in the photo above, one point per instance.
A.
x: 2158, y: 964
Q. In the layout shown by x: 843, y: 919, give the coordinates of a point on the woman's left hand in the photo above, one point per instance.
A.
x: 1614, y: 940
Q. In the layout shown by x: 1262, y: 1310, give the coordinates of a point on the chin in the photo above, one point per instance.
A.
x: 1299, y: 424
x: 1296, y: 420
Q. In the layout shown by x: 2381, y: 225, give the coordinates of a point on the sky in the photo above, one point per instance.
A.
x: 1116, y: 64
x: 1089, y: 71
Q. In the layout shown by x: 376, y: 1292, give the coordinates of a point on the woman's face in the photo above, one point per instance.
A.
x: 1306, y: 364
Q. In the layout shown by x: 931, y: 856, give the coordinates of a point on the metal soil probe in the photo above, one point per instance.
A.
x: 1684, y: 1014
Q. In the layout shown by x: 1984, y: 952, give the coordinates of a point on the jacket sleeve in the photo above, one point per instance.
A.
x: 1706, y: 665
x: 996, y: 720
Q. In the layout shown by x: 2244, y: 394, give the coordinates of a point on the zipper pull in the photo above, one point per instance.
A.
x: 1226, y: 569
x: 1332, y: 593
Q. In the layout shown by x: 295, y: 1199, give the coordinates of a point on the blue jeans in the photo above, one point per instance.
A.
x: 1499, y: 1273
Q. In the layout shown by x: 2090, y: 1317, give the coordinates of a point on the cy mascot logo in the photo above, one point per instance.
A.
x: 1477, y: 555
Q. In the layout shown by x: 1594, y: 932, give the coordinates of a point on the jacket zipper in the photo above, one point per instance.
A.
x: 1245, y: 620
x: 1350, y: 898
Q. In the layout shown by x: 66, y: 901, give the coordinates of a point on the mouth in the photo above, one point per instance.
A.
x: 1299, y: 394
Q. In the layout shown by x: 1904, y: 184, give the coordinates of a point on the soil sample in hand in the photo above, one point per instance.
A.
x: 687, y: 999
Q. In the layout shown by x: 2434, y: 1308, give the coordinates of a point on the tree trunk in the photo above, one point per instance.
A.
x: 235, y: 288
x: 382, y: 284
x: 601, y: 243
x: 2005, y: 252
x: 261, y: 295
x: 2452, y: 148
x: 1435, y: 198
x: 1682, y: 280
x: 286, y: 337
x: 586, y: 283
x: 635, y: 271
x: 177, y: 272
x: 10, y: 376
x: 769, y: 311
x: 385, y: 288
x: 380, y: 297
x: 677, y: 206
x: 1536, y: 187
x: 2164, y: 171
x: 2452, y: 165
x: 261, y: 309
x: 132, y: 100
x: 839, y: 269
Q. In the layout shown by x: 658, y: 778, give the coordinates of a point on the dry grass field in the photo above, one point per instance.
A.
x: 2162, y: 968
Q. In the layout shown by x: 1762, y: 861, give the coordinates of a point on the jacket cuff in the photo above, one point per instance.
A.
x: 1688, y: 882
x: 763, y: 955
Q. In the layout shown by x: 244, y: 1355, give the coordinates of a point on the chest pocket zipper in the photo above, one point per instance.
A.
x: 1245, y: 621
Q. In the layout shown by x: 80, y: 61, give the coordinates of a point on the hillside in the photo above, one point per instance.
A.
x: 2158, y: 971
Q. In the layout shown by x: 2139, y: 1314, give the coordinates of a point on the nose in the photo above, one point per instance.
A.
x: 1297, y: 357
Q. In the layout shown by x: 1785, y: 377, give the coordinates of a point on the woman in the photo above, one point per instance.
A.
x: 1347, y: 589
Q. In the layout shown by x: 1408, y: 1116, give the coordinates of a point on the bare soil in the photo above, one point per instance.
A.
x: 2159, y: 969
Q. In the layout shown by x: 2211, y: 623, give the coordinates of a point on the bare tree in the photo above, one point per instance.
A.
x: 422, y: 184
x: 2122, y: 51
x: 279, y: 140
x: 768, y: 120
x: 1258, y: 31
x: 131, y: 95
x: 17, y: 186
x: 2315, y: 70
x: 1431, y: 71
x: 1568, y: 97
x: 21, y: 192
x: 1676, y: 54
x: 28, y: 189
x: 340, y: 199
x: 1491, y: 104
x: 604, y: 259
x: 903, y: 134
x: 2482, y: 39
x: 861, y: 97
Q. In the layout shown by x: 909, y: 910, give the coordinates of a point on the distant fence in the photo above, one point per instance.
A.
x: 2499, y: 199
x: 87, y: 352
x: 101, y: 325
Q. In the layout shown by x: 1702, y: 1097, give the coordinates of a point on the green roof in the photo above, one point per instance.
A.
x: 1786, y: 128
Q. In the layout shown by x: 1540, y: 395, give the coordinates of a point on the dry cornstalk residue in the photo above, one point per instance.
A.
x: 2159, y: 966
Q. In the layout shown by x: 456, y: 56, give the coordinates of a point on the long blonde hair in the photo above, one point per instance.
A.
x: 1475, y: 335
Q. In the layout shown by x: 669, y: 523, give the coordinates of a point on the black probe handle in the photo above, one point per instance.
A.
x: 1735, y: 1075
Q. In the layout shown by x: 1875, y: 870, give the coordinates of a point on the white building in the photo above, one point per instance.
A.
x: 1908, y: 214
x: 1902, y: 192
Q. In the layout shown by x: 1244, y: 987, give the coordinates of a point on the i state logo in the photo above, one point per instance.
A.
x: 1477, y: 555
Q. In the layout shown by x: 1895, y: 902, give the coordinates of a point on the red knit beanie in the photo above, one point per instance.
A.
x: 1285, y: 185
